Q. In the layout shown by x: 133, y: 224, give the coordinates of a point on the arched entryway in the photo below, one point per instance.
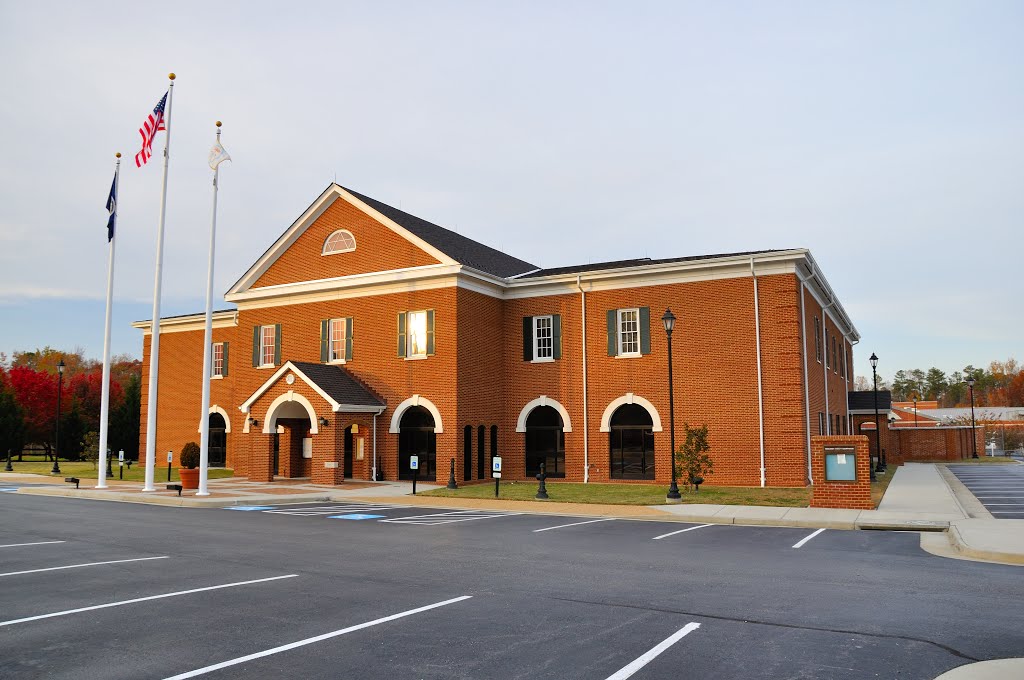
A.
x: 631, y: 443
x: 416, y: 437
x: 545, y: 442
x: 218, y: 440
x: 291, y: 422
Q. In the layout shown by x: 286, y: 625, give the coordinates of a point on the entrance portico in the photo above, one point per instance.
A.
x: 310, y: 420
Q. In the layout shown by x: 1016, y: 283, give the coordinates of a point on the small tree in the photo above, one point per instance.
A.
x: 692, y: 460
x: 190, y: 456
x: 91, y: 447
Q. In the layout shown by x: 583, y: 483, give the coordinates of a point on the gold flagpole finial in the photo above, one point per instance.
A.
x: 219, y: 123
x: 117, y: 155
x: 171, y: 76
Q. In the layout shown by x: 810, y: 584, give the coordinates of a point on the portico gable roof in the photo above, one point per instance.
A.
x: 340, y: 389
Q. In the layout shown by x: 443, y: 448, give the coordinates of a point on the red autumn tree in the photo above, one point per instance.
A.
x: 36, y: 392
x: 86, y: 389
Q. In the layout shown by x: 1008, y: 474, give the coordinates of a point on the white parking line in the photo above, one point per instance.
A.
x: 806, y: 538
x: 574, y: 524
x: 447, y: 517
x: 18, y: 545
x: 646, y: 658
x: 140, y: 599
x: 657, y: 538
x: 308, y: 641
x: 87, y: 564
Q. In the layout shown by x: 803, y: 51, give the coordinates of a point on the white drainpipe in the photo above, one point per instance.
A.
x: 824, y: 363
x: 586, y: 424
x: 849, y: 368
x: 803, y: 351
x: 760, y: 393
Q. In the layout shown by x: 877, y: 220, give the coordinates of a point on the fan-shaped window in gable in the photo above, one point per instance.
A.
x: 341, y: 241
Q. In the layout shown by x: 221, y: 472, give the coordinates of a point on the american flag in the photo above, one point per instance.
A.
x: 153, y: 124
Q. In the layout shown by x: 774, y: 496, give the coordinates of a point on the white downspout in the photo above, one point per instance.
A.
x: 586, y: 424
x: 760, y: 393
x: 849, y: 420
x: 824, y: 363
x: 803, y: 351
x: 374, y: 477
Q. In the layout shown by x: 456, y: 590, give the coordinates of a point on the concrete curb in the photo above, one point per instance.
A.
x: 962, y: 545
x: 174, y: 501
x: 997, y: 669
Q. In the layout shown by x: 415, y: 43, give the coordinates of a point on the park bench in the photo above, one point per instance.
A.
x: 72, y: 480
x: 174, y: 487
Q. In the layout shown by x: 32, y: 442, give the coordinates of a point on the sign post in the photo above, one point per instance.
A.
x: 414, y: 465
x: 120, y: 464
x: 496, y: 473
x: 170, y: 457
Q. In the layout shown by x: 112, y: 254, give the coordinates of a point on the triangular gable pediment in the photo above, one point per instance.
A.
x: 421, y: 252
x: 361, y: 399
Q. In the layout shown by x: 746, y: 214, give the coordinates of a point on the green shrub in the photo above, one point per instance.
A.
x: 692, y: 461
x: 190, y: 456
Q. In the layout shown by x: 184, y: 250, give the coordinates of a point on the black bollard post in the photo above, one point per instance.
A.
x: 451, y: 476
x: 110, y: 470
x: 9, y: 468
x: 120, y: 469
x: 415, y: 474
x: 542, y: 490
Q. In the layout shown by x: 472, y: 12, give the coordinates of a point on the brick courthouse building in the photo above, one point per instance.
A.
x: 365, y: 334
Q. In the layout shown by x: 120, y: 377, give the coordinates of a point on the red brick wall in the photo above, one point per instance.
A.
x: 854, y: 495
x: 377, y: 249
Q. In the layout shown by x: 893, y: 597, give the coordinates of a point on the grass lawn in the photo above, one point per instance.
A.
x: 878, y: 488
x: 86, y: 470
x: 632, y: 494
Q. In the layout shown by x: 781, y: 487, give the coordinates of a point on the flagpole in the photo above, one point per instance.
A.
x: 204, y: 422
x: 154, y: 344
x: 101, y: 482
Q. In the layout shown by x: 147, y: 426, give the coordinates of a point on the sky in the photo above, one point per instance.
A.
x: 888, y: 138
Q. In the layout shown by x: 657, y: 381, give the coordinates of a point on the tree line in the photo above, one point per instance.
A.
x: 1001, y: 384
x: 28, y: 404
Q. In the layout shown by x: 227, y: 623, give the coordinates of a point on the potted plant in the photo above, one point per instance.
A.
x: 189, y: 460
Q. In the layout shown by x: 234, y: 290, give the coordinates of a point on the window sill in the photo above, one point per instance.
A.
x: 264, y: 366
x: 216, y: 377
x: 628, y: 356
x: 418, y: 357
x: 336, y: 362
x: 546, y: 360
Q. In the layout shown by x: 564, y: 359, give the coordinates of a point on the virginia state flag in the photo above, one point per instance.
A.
x: 112, y: 209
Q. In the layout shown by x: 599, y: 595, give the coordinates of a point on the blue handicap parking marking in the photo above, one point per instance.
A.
x: 250, y: 508
x: 355, y: 515
x: 8, y: 490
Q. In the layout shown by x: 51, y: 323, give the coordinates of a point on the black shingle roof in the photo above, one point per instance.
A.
x: 864, y: 400
x: 340, y: 384
x: 640, y: 262
x: 456, y: 246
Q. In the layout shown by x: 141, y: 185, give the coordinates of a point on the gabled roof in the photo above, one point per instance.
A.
x: 641, y: 262
x: 463, y: 250
x: 340, y: 384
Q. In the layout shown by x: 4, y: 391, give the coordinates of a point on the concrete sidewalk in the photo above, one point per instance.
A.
x: 918, y: 498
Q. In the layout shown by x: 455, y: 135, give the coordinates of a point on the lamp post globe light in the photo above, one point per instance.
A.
x: 56, y: 443
x: 669, y: 320
x: 974, y: 435
x: 878, y: 432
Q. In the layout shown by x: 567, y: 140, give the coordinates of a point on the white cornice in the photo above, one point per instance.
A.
x: 192, y: 322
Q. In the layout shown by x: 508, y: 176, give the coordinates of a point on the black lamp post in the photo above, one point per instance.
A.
x: 878, y: 430
x: 60, y: 390
x: 669, y: 320
x: 974, y: 434
x: 915, y: 409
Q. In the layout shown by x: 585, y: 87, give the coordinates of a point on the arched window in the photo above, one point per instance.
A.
x: 467, y: 453
x: 481, y: 463
x: 632, y: 443
x: 416, y: 438
x: 545, y: 442
x: 341, y: 241
x: 218, y: 440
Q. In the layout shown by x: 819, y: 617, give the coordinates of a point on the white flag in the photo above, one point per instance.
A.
x: 218, y: 155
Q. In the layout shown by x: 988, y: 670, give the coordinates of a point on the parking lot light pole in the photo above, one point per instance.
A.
x: 56, y: 443
x: 669, y: 320
x: 878, y: 430
x: 974, y: 434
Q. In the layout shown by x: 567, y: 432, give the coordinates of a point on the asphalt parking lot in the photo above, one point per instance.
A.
x: 1000, y: 488
x: 345, y: 590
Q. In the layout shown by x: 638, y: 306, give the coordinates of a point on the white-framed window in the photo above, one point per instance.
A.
x: 416, y: 334
x: 629, y: 332
x: 218, y: 360
x: 341, y: 241
x: 336, y: 341
x: 543, y: 338
x: 267, y: 340
x: 817, y: 339
x: 821, y: 424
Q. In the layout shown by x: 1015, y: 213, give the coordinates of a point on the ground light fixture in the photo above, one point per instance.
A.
x: 60, y: 390
x: 669, y: 320
x: 974, y: 433
x: 878, y: 430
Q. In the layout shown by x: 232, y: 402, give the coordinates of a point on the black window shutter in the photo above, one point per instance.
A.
x: 612, y: 333
x: 224, y: 360
x: 430, y: 332
x: 255, y: 346
x: 401, y: 334
x: 325, y: 341
x: 556, y: 335
x: 277, y: 344
x: 527, y: 338
x: 645, y: 330
x: 348, y: 339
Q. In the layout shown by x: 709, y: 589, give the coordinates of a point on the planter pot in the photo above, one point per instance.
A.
x: 189, y: 478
